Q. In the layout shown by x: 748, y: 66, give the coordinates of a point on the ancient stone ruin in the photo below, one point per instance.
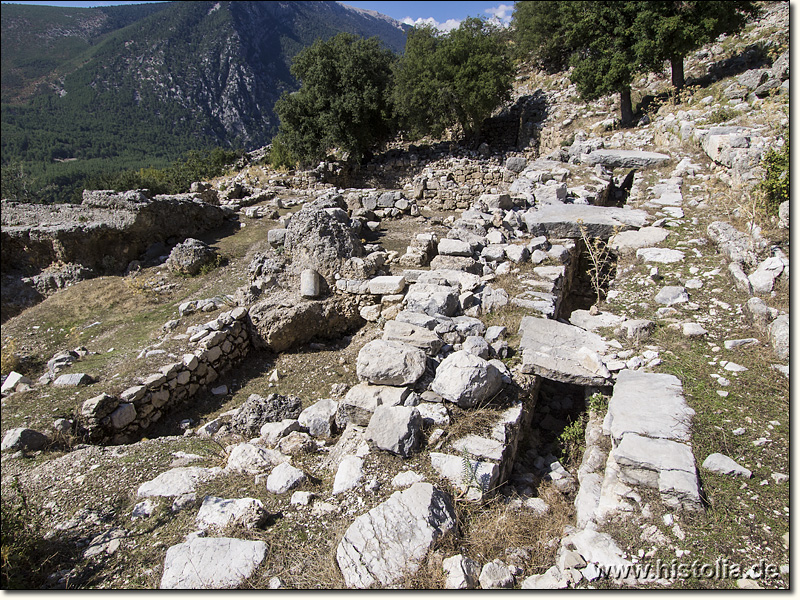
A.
x: 490, y: 309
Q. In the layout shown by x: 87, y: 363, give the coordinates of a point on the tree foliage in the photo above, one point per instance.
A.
x: 541, y: 31
x: 608, y: 52
x: 68, y: 183
x: 609, y: 42
x: 451, y: 79
x: 670, y: 29
x: 343, y: 102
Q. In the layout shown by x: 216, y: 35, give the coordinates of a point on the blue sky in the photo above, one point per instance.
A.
x: 443, y: 15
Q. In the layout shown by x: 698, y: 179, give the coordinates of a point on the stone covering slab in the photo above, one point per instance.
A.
x: 625, y: 159
x: 562, y: 352
x: 650, y: 404
x: 562, y: 220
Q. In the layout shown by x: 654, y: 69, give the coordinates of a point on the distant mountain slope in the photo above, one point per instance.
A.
x: 38, y: 41
x: 149, y: 82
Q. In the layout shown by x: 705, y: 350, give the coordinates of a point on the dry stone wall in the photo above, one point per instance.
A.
x: 219, y: 345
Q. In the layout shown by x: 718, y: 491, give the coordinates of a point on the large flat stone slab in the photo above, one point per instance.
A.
x: 662, y: 464
x: 562, y: 352
x: 625, y: 159
x: 565, y: 220
x: 628, y: 241
x: 211, y: 563
x: 649, y: 404
x: 177, y: 481
x: 392, y: 539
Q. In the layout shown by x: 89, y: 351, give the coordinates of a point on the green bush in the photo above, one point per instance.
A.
x: 176, y: 179
x: 776, y: 182
x: 721, y: 115
x: 343, y: 106
x: 279, y: 155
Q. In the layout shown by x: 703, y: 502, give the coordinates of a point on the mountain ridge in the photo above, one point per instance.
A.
x: 143, y: 87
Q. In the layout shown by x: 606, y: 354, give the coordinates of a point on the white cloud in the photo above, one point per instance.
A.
x: 501, y: 15
x: 448, y: 25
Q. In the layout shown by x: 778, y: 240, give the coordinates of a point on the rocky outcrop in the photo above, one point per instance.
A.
x: 320, y: 237
x: 45, y: 248
x: 104, y: 233
x: 190, y: 257
x: 283, y: 322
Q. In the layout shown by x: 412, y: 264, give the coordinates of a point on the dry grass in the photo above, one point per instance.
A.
x: 477, y: 421
x: 492, y: 528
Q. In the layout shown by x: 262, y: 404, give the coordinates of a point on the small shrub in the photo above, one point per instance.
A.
x: 601, y: 260
x: 723, y: 114
x: 775, y: 186
x: 9, y: 360
x: 141, y: 286
x: 597, y: 403
x: 213, y: 265
x: 571, y: 440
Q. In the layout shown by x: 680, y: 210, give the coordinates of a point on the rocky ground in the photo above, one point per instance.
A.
x: 495, y: 384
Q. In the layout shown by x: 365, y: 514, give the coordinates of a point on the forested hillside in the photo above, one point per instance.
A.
x: 108, y: 90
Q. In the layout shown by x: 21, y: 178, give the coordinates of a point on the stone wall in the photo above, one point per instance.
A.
x: 105, y: 233
x: 220, y: 344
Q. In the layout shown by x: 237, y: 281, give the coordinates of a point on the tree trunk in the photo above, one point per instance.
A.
x: 625, y: 107
x: 678, y: 81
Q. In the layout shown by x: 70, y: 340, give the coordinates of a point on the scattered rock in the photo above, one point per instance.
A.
x: 672, y: 294
x: 462, y: 572
x: 241, y: 512
x: 190, y: 256
x: 258, y: 411
x: 724, y: 465
x: 779, y: 336
x: 348, y: 475
x: 693, y: 330
x: 12, y: 381
x: 320, y: 418
x: 383, y: 362
x: 73, y: 380
x: 177, y: 481
x: 252, y: 459
x: 466, y: 379
x: 21, y: 438
x: 659, y: 255
x: 396, y: 429
x: 495, y: 575
x: 284, y: 477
